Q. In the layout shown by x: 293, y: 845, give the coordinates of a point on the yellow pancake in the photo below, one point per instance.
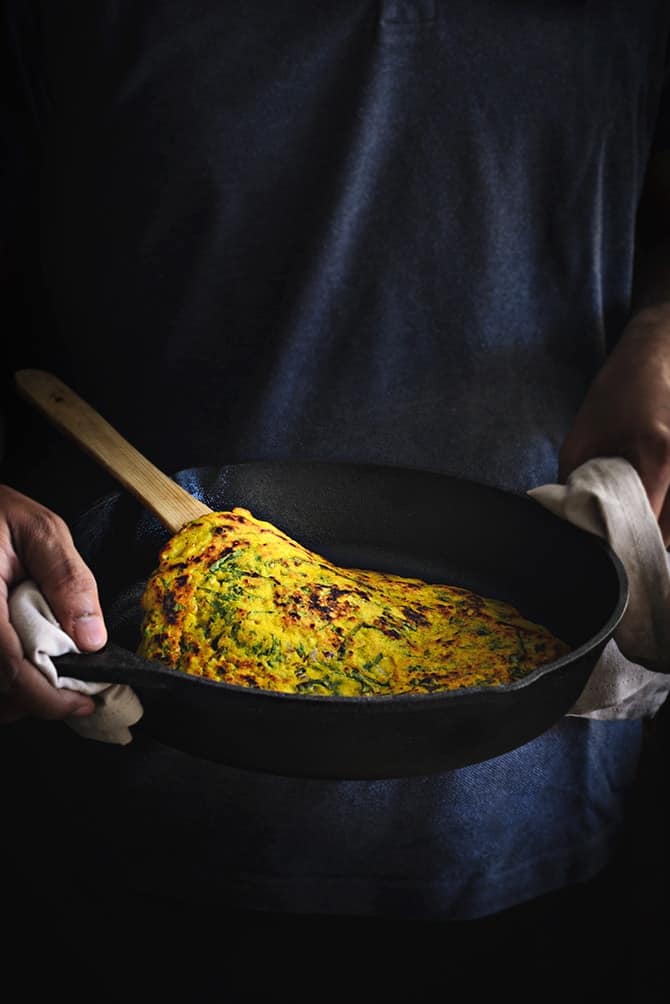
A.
x: 234, y: 599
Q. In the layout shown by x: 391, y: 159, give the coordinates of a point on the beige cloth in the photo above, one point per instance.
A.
x: 605, y: 496
x: 117, y: 706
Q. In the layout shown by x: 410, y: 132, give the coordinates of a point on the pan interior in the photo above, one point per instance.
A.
x: 410, y: 522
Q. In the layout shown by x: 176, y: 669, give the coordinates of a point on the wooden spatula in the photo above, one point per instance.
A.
x: 170, y: 503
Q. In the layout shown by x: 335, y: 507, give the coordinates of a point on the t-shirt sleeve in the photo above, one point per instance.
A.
x: 20, y: 131
x: 21, y: 114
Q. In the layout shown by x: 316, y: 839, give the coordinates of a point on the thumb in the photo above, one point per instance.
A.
x: 66, y: 582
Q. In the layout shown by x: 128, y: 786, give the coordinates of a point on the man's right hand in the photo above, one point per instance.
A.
x: 36, y: 543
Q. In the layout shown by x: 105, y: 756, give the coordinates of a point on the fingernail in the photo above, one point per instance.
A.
x: 82, y: 711
x: 90, y: 631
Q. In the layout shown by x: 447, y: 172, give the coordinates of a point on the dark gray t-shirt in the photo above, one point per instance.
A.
x: 398, y: 232
x: 355, y: 230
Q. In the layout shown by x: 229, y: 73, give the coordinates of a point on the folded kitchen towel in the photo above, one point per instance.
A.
x: 117, y: 706
x: 605, y: 496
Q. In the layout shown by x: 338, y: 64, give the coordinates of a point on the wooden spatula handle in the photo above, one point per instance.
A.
x: 170, y: 503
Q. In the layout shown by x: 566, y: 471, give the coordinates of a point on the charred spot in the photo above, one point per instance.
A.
x: 415, y: 616
x: 181, y: 581
x: 316, y: 604
x: 384, y: 626
x: 430, y: 681
x: 219, y: 529
x: 170, y: 608
x: 219, y: 554
x: 325, y: 603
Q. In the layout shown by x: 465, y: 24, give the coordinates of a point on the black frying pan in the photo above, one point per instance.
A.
x: 411, y: 522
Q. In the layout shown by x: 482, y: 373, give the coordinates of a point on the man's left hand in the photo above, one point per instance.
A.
x: 626, y: 412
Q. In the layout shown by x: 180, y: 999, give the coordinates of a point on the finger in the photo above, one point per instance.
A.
x: 25, y: 691
x: 32, y: 695
x: 664, y: 521
x: 11, y: 653
x: 66, y: 581
x: 575, y: 451
x: 653, y: 465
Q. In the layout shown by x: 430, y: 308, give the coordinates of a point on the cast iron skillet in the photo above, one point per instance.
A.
x: 412, y: 522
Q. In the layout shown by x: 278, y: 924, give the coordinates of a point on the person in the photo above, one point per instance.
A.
x: 423, y: 234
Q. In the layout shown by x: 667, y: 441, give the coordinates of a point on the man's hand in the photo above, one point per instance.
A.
x: 626, y: 412
x: 36, y: 543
